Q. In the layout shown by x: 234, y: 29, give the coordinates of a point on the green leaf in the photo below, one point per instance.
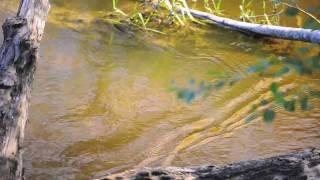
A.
x: 269, y: 115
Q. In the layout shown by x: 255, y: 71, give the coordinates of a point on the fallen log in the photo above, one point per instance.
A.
x: 299, y: 166
x: 281, y: 32
x: 271, y: 31
x: 18, y: 57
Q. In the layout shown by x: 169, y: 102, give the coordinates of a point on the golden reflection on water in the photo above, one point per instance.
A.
x: 101, y: 101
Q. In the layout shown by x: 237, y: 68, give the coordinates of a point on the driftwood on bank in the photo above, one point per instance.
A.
x: 296, y: 166
x: 18, y: 56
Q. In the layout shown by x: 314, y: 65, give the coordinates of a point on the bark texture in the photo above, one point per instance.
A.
x: 289, y: 33
x: 303, y: 165
x: 18, y: 57
x: 272, y: 31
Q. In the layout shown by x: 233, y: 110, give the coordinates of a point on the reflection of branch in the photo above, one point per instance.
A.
x: 301, y: 10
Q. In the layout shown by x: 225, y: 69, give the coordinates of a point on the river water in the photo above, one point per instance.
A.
x: 102, y: 102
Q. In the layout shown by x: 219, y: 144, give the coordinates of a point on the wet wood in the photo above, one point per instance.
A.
x: 272, y: 31
x: 18, y: 57
x: 298, y: 166
x: 289, y: 33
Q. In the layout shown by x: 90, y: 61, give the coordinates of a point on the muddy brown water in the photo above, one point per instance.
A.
x: 101, y: 101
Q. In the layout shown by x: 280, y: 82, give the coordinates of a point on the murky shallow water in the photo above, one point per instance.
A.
x: 101, y: 101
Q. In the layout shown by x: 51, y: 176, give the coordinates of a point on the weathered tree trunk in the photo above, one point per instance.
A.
x: 297, y: 166
x: 18, y: 57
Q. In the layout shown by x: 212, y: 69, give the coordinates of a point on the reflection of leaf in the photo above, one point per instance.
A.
x: 191, y: 91
x: 264, y: 102
x: 252, y: 69
x: 304, y: 103
x: 261, y: 67
x: 279, y: 98
x: 318, y: 9
x: 304, y: 50
x: 219, y: 84
x: 217, y: 74
x: 186, y: 95
x: 235, y: 79
x: 274, y: 88
x: 316, y: 62
x: 311, y: 24
x: 290, y: 11
x: 254, y: 107
x: 269, y: 115
x: 290, y: 105
x: 315, y: 94
x: 192, y: 82
x: 282, y: 72
x: 252, y: 117
x: 298, y: 66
